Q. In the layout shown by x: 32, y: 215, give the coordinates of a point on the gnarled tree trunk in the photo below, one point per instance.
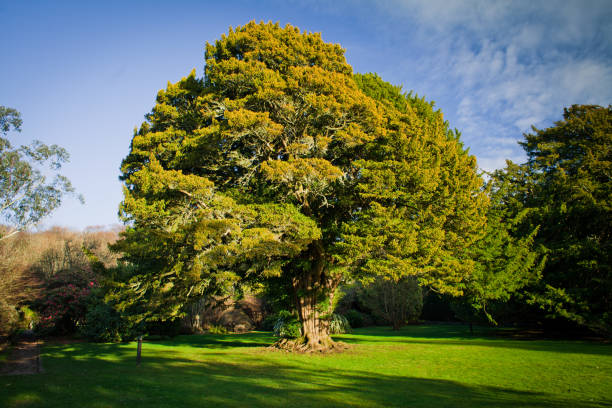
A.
x: 314, y: 292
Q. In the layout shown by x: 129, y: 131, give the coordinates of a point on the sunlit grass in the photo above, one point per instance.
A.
x: 421, y: 366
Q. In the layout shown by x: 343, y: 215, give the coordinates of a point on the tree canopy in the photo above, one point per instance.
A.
x: 566, y: 189
x: 506, y: 258
x: 26, y: 194
x: 281, y: 162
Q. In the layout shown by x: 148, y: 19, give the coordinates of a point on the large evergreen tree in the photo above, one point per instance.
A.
x: 281, y: 162
x: 506, y: 260
x: 566, y: 188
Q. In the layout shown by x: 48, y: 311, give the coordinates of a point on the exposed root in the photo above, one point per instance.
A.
x: 301, y: 346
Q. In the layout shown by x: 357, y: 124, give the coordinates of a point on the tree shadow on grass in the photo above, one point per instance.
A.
x: 78, y: 375
x: 251, y: 339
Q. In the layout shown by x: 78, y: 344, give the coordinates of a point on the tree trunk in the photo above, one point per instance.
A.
x: 314, y: 292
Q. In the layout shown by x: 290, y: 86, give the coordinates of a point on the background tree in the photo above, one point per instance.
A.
x: 16, y: 286
x: 505, y: 258
x: 25, y: 198
x: 280, y: 162
x: 26, y: 195
x: 395, y: 302
x: 43, y: 275
x: 565, y: 188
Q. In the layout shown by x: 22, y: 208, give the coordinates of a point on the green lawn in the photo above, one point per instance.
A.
x: 420, y: 366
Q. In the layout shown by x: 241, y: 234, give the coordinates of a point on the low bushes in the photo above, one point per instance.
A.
x: 102, y: 323
x: 287, y: 325
x: 63, y: 306
x: 339, y: 324
x: 355, y: 318
x: 381, y: 302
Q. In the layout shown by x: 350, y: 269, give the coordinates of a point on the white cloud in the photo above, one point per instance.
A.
x: 510, y: 65
x: 495, y: 67
x: 491, y: 163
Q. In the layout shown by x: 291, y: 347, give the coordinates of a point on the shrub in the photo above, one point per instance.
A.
x: 103, y: 323
x: 287, y: 325
x: 34, y: 267
x: 268, y: 322
x: 214, y: 329
x: 17, y: 286
x: 28, y: 318
x: 339, y: 324
x: 63, y: 307
x: 9, y: 318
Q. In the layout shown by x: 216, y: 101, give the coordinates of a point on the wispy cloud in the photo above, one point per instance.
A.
x: 501, y: 67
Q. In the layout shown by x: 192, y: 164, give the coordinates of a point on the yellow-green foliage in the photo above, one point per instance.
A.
x: 422, y: 199
x: 279, y: 147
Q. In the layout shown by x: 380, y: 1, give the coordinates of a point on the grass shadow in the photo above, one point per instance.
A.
x: 250, y: 339
x: 235, y: 370
x: 79, y: 377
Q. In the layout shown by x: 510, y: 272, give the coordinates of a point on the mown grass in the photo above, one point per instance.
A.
x: 419, y: 366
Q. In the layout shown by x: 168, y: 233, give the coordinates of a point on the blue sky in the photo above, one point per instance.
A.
x: 83, y: 74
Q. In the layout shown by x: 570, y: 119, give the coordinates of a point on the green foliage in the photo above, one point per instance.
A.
x: 565, y: 189
x: 268, y: 322
x: 63, y: 305
x: 28, y: 318
x: 102, y: 323
x: 9, y: 318
x: 9, y: 118
x: 396, y: 302
x: 375, y: 87
x: 287, y: 325
x: 276, y: 295
x: 215, y: 329
x: 422, y: 203
x: 355, y: 318
x: 280, y: 163
x: 505, y: 261
x: 26, y: 194
x: 339, y: 324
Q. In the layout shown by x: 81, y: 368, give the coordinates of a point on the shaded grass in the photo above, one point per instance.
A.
x: 419, y: 366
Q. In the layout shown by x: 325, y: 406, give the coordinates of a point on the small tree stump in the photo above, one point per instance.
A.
x: 139, y: 350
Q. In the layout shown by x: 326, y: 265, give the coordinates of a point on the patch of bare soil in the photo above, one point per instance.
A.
x: 24, y: 358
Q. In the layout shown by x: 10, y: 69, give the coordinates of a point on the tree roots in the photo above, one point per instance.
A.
x: 299, y: 345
